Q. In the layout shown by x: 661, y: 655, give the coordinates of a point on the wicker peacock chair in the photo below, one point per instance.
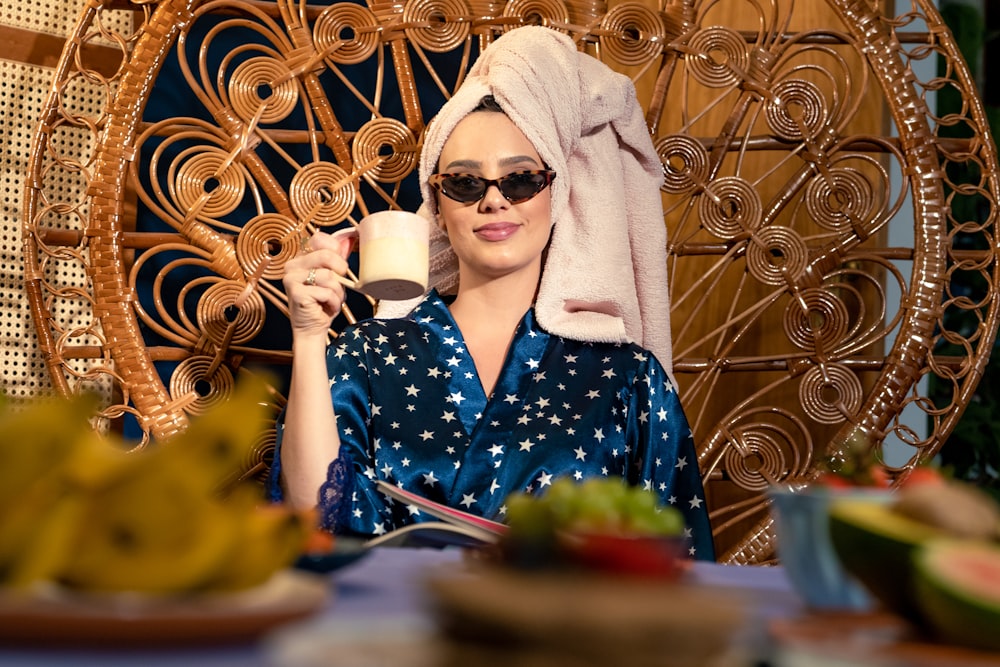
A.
x: 798, y: 144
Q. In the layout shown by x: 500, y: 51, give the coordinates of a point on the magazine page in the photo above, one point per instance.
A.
x: 490, y: 529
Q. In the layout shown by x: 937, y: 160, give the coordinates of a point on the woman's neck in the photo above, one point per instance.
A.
x: 499, y: 300
x: 487, y: 314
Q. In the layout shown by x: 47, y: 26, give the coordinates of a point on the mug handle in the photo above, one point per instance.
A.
x: 344, y: 280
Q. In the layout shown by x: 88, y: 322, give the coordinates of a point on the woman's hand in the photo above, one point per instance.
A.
x: 315, y: 294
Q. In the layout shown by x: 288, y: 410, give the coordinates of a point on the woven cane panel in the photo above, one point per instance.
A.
x: 22, y: 93
x: 229, y: 136
x: 55, y: 17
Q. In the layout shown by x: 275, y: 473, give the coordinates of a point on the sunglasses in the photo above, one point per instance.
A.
x: 516, y: 187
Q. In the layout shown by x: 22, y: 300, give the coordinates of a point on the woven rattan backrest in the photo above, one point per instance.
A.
x: 796, y: 144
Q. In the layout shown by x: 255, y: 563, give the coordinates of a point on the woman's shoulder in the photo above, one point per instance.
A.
x: 627, y: 352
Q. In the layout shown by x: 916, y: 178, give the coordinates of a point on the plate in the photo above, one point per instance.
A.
x: 875, y: 639
x: 345, y: 551
x: 52, y: 615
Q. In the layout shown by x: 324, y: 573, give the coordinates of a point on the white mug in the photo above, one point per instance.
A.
x: 393, y: 255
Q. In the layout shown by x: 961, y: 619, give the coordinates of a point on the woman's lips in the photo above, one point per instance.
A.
x: 496, y: 231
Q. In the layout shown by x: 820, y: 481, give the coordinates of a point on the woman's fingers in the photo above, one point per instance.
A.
x: 314, y: 282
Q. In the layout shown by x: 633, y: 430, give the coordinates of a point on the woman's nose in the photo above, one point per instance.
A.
x: 493, y: 199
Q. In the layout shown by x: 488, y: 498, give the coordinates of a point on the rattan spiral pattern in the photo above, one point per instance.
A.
x: 632, y: 34
x: 719, y: 56
x: 321, y: 194
x: 839, y: 199
x: 830, y: 393
x: 777, y: 255
x: 389, y: 147
x: 438, y: 25
x: 265, y: 243
x: 346, y: 33
x: 229, y: 313
x: 817, y: 319
x: 730, y: 207
x: 262, y: 90
x: 797, y: 110
x: 206, y: 183
x: 313, y: 115
x: 199, y: 383
x: 685, y: 166
x: 550, y: 13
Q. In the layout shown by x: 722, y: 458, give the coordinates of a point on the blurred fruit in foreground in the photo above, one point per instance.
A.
x: 879, y: 543
x: 854, y: 463
x: 79, y: 510
x: 957, y: 588
x: 600, y: 523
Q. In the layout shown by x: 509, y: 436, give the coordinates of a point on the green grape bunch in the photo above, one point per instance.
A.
x: 594, y: 506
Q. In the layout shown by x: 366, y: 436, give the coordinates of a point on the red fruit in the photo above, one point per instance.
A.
x: 923, y: 475
x: 319, y: 542
x: 833, y: 480
x: 880, y: 478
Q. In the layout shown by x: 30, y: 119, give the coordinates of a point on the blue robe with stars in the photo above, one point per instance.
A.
x: 412, y: 411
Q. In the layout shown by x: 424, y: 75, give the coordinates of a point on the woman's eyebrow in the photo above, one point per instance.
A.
x: 503, y: 162
x: 517, y: 159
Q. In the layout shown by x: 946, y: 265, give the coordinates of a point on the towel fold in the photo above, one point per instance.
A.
x: 605, y: 277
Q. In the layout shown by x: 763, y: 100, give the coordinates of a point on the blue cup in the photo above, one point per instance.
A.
x: 802, y: 526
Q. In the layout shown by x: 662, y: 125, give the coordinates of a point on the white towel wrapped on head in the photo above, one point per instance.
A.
x: 605, y: 276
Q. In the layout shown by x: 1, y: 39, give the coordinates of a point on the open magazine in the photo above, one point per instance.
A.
x: 453, y: 528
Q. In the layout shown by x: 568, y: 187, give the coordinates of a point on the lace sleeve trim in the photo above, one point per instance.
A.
x: 335, y: 492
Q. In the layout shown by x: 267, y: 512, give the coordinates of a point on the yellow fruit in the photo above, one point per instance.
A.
x: 37, y: 438
x: 220, y: 442
x: 271, y: 538
x: 153, y: 530
x: 48, y: 545
x: 38, y: 446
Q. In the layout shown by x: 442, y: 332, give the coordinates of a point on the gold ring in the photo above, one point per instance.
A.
x: 311, y: 278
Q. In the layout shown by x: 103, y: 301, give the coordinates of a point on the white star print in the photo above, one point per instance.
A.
x: 681, y: 462
x: 430, y: 479
x: 580, y: 454
x: 545, y: 479
x: 468, y: 499
x: 526, y: 445
x: 426, y: 435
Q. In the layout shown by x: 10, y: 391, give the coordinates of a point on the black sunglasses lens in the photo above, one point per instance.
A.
x: 518, y: 187
x: 464, y: 188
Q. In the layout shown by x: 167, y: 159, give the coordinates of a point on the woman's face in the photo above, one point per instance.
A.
x: 492, y: 237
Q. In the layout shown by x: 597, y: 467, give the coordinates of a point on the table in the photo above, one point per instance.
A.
x: 380, y: 596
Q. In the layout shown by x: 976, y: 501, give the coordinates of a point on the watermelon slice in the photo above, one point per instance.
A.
x: 875, y: 545
x: 957, y: 587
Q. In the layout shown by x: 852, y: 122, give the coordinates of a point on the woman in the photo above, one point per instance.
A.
x: 509, y: 383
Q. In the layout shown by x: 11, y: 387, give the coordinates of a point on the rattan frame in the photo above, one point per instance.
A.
x: 812, y: 252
